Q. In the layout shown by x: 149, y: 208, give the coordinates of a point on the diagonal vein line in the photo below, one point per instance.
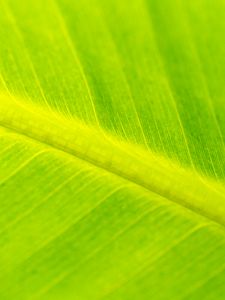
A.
x: 205, y: 86
x: 174, y: 103
x: 131, y: 97
x: 27, y: 54
x: 208, y: 97
x: 22, y: 166
x: 203, y: 76
x: 71, y: 45
x: 64, y: 275
x: 7, y: 148
x: 156, y: 258
x: 203, y: 283
x: 79, y: 220
x: 45, y: 199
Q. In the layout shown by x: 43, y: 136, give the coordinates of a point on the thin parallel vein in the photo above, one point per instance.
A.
x: 146, y: 269
x: 168, y: 76
x: 208, y: 97
x: 73, y: 50
x: 22, y: 166
x: 204, y: 282
x: 130, y: 94
x: 80, y: 219
x: 20, y: 103
x: 12, y: 98
x: 27, y: 108
x: 196, y: 53
x: 172, y: 97
x: 39, y: 204
x: 11, y: 146
x: 5, y: 85
x: 8, y: 91
x: 90, y: 257
x: 170, y: 90
x: 26, y: 52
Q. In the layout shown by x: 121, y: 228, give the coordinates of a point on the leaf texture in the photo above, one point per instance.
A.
x: 112, y: 149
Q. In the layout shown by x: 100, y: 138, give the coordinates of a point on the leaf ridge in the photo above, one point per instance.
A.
x: 134, y: 164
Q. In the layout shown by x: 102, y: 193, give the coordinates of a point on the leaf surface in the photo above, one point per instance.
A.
x: 112, y: 149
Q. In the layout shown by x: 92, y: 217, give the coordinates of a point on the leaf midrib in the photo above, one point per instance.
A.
x: 148, y: 170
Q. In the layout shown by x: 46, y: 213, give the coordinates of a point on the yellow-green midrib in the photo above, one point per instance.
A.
x: 145, y: 168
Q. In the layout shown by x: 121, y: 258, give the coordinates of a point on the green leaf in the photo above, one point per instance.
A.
x: 112, y: 157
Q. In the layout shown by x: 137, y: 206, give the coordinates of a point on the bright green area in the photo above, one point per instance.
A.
x: 112, y: 157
